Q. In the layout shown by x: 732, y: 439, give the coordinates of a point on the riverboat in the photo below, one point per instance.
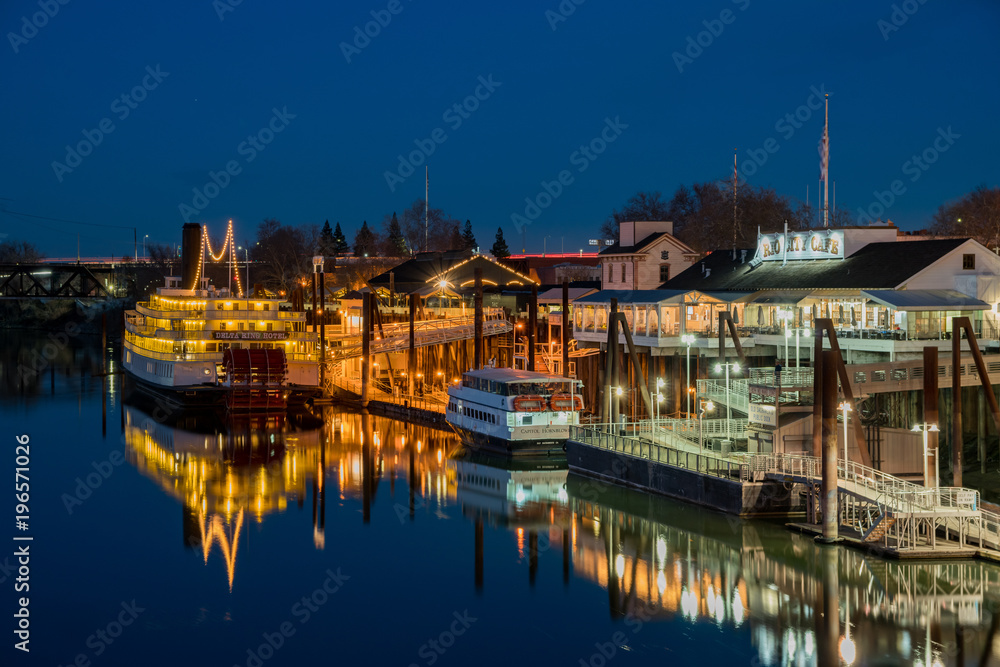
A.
x: 209, y: 347
x: 514, y: 412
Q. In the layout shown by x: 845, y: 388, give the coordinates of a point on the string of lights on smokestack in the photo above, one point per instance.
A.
x: 229, y: 244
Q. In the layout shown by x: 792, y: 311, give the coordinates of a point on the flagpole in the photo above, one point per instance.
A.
x: 826, y: 162
x: 734, y: 201
x: 427, y: 189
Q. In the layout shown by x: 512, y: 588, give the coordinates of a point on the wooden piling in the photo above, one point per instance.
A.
x: 411, y: 355
x: 829, y: 487
x: 930, y: 413
x: 479, y: 554
x: 817, y: 415
x: 956, y: 405
x: 614, y: 363
x: 322, y: 327
x: 532, y: 325
x: 366, y: 326
x: 565, y: 327
x: 479, y: 319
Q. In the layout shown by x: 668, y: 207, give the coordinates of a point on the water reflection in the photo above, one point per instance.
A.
x: 804, y: 604
x: 796, y: 603
x: 230, y: 470
x: 529, y: 498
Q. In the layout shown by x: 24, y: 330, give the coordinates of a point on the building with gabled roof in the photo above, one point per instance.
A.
x: 454, y: 271
x: 645, y: 256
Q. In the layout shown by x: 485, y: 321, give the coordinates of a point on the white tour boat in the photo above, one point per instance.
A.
x: 510, y: 411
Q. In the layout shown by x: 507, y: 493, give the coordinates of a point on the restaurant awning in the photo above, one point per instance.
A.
x: 925, y: 299
x: 780, y: 297
x: 626, y: 297
x: 731, y: 297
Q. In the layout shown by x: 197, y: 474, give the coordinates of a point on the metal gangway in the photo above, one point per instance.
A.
x: 889, y: 511
x: 884, y: 510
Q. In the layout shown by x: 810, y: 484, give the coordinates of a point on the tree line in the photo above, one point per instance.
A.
x: 707, y: 216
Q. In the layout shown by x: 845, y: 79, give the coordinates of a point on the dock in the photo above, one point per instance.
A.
x: 875, y: 511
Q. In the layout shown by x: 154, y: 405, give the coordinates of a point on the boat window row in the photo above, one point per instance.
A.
x: 473, y: 413
x: 220, y: 305
x: 479, y: 480
x: 250, y: 326
x: 517, y: 388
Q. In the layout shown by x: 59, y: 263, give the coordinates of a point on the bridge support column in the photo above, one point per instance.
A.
x: 829, y: 415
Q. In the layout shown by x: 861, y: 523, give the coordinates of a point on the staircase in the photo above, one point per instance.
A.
x: 879, y: 528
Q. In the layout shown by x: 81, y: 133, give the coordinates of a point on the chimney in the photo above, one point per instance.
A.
x: 190, y: 254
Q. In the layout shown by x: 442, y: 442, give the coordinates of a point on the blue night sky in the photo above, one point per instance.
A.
x: 553, y: 86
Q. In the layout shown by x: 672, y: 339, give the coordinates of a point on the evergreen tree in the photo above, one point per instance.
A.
x: 394, y: 242
x: 455, y: 241
x: 499, y: 249
x: 340, y: 246
x: 326, y: 240
x: 468, y: 238
x: 365, y: 242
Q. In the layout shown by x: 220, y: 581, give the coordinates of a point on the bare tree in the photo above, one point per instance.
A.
x: 284, y: 254
x: 19, y: 252
x: 439, y: 227
x: 640, y: 206
x: 976, y: 215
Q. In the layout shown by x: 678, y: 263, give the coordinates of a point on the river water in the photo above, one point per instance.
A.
x: 340, y: 538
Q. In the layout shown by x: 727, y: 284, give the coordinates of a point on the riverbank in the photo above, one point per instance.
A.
x: 71, y: 316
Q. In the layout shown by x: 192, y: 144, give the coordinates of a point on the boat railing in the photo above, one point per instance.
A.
x: 204, y: 356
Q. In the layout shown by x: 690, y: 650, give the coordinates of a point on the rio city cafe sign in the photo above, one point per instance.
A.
x: 808, y: 244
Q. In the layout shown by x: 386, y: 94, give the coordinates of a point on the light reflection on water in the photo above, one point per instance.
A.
x: 559, y: 565
x: 656, y: 559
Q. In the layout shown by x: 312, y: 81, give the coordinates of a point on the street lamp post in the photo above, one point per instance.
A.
x: 729, y: 410
x: 688, y: 339
x: 803, y: 332
x: 845, y: 408
x: 659, y: 399
x: 707, y: 406
x: 659, y: 396
x: 618, y: 394
x: 144, y: 256
x: 926, y: 428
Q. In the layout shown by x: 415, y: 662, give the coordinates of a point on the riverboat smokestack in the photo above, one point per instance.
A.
x: 190, y: 254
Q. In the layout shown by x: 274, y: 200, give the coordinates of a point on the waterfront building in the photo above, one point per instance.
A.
x: 646, y: 255
x: 888, y: 298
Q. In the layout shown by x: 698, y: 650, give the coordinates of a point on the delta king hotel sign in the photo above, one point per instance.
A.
x: 808, y: 244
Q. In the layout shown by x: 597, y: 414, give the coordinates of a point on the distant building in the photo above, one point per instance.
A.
x: 552, y: 268
x: 646, y: 255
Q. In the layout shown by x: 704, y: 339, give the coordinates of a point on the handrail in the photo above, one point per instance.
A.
x: 610, y: 437
x: 899, y: 495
